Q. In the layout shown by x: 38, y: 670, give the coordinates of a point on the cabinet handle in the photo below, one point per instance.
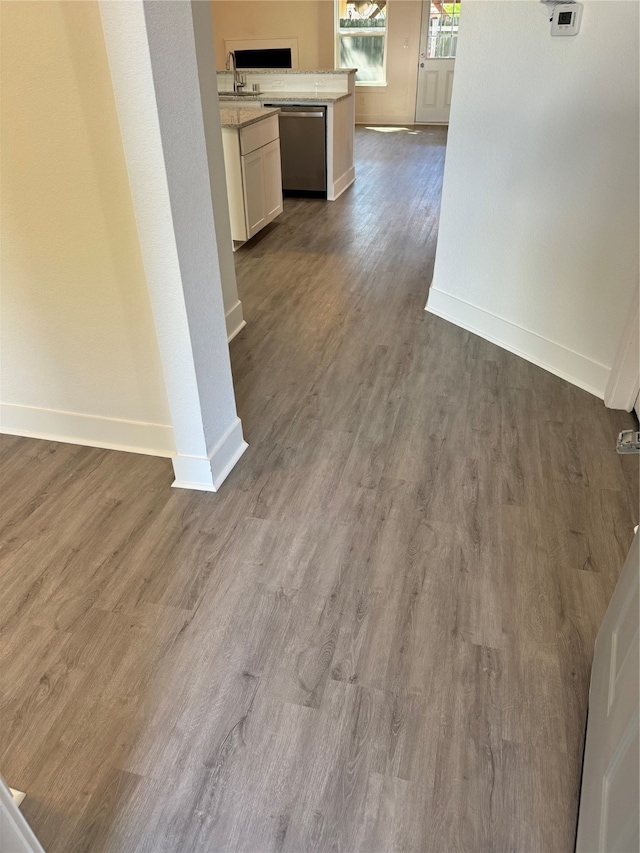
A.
x: 301, y: 115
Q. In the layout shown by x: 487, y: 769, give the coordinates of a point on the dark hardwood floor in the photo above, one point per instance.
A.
x: 377, y: 636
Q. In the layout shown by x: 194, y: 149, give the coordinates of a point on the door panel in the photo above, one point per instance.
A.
x: 272, y: 179
x: 254, y: 201
x: 620, y: 800
x: 438, y: 40
x: 429, y: 95
x: 448, y: 87
x: 609, y: 812
x: 435, y: 82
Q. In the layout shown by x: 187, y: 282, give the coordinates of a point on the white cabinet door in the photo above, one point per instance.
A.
x: 272, y: 179
x: 608, y: 818
x: 253, y: 187
x: 262, y: 186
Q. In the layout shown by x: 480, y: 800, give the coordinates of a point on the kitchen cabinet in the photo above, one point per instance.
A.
x: 333, y: 90
x: 252, y: 165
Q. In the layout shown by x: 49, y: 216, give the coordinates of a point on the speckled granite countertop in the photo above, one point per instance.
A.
x: 241, y: 116
x: 278, y: 71
x: 319, y: 97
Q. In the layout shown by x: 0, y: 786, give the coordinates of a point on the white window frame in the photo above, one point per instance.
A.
x: 432, y: 42
x: 367, y: 32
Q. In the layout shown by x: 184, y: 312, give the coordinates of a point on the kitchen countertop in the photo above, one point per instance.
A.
x: 319, y: 97
x: 316, y: 97
x: 241, y: 116
x: 277, y: 71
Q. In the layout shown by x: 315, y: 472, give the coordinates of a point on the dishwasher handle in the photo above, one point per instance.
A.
x: 297, y: 113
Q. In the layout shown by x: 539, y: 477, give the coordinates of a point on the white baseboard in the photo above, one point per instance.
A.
x: 235, y: 321
x: 18, y: 796
x: 557, y: 359
x: 207, y: 473
x: 89, y: 430
x: 343, y: 183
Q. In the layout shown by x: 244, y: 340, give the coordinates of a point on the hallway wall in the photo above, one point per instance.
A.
x: 538, y: 239
x: 80, y: 359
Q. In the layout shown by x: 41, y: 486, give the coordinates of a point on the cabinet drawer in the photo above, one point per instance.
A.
x: 258, y: 134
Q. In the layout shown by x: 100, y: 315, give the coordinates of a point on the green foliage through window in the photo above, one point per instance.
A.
x: 366, y: 53
x: 443, y: 30
x: 362, y: 38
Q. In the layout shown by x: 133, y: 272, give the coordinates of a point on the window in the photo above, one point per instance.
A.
x: 443, y: 30
x: 361, y: 39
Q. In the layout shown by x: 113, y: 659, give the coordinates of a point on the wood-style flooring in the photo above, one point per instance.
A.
x: 377, y: 636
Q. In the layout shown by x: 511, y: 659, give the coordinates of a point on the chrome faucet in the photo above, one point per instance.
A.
x: 238, y: 79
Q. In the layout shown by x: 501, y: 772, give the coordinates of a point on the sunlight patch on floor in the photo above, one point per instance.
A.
x: 393, y: 130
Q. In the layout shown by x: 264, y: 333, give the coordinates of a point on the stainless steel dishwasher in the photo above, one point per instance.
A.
x: 303, y: 149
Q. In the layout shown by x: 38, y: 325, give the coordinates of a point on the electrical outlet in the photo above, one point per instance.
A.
x: 276, y: 83
x: 319, y: 82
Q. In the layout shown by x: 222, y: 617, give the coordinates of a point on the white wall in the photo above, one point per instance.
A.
x: 234, y: 316
x: 538, y: 239
x: 80, y: 359
x: 310, y: 22
x: 15, y: 833
x: 171, y: 131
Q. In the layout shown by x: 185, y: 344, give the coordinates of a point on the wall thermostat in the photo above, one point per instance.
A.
x: 565, y: 20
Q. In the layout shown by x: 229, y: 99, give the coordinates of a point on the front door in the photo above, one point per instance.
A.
x: 438, y: 42
x: 608, y: 817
